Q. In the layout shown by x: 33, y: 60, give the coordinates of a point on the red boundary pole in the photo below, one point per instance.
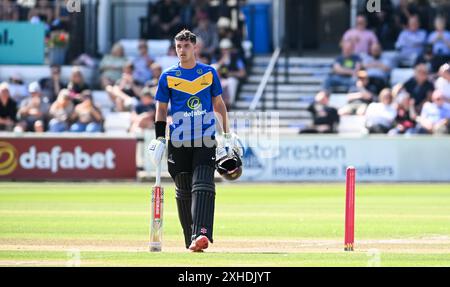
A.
x: 350, y: 209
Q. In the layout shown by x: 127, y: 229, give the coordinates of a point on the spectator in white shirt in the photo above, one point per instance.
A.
x: 435, y: 116
x: 380, y: 116
x: 443, y: 82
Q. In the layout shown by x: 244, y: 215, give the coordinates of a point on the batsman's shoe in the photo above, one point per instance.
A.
x: 199, y: 244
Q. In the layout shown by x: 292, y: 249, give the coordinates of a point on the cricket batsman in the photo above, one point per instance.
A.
x: 193, y: 93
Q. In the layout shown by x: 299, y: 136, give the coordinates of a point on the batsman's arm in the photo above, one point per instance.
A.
x: 161, y: 119
x: 221, y: 113
x: 161, y: 111
x: 157, y: 146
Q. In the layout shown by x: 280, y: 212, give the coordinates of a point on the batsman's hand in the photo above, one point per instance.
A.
x: 156, y: 149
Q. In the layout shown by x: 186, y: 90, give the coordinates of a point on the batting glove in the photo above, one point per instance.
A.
x: 230, y: 142
x: 156, y: 149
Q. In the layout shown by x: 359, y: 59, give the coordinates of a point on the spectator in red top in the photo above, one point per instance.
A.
x: 405, y: 121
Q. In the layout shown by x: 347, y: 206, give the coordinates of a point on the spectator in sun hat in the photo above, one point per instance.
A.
x: 227, y: 31
x: 443, y: 81
x: 33, y: 111
x: 231, y: 67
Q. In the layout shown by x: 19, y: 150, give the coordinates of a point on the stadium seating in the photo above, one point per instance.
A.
x: 102, y: 101
x: 352, y: 125
x: 117, y: 123
x: 400, y: 75
x: 34, y: 73
x: 156, y: 48
x: 338, y: 100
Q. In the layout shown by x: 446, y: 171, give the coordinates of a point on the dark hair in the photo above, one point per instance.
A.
x: 360, y: 14
x: 428, y: 48
x: 55, y: 66
x: 186, y: 35
x: 206, y: 55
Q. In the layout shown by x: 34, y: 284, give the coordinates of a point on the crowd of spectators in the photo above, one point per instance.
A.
x: 419, y: 105
x: 49, y: 104
x: 409, y: 35
x: 52, y: 13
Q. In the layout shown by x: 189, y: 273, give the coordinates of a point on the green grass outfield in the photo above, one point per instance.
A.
x: 107, y: 224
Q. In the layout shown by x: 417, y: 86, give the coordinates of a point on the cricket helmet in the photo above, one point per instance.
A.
x: 230, y: 166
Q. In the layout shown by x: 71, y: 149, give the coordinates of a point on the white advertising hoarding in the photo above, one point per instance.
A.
x: 325, y: 158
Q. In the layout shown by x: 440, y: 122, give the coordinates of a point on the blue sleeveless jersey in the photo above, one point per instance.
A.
x: 190, y: 93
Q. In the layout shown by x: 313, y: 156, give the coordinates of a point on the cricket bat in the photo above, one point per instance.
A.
x: 157, y: 203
